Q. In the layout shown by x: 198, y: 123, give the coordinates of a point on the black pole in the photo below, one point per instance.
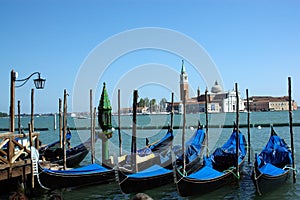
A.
x: 119, y: 122
x: 291, y: 128
x: 172, y: 110
x: 206, y: 122
x: 237, y: 130
x: 248, y: 123
x: 183, y: 130
x: 133, y: 139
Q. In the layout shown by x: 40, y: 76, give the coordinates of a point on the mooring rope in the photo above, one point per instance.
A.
x: 34, y: 160
x: 231, y: 170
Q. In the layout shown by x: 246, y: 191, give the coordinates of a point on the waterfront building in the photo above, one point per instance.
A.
x: 269, y: 103
x: 218, y: 100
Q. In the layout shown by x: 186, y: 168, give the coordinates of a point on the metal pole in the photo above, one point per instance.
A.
x: 32, y: 110
x: 183, y: 130
x: 206, y: 122
x: 291, y: 128
x: 60, y: 123
x: 65, y: 129
x: 134, y: 164
x: 119, y: 122
x: 248, y: 123
x: 19, y: 117
x: 237, y: 131
x: 12, y: 100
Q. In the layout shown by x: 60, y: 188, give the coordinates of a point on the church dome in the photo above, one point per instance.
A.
x: 216, y: 88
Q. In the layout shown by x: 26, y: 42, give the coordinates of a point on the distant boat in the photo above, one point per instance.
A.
x: 272, y: 166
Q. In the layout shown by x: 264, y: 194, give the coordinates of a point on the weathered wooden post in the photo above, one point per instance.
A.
x: 91, y: 125
x: 54, y: 121
x: 60, y: 123
x: 134, y: 164
x: 104, y: 120
x: 237, y: 131
x: 248, y: 124
x: 291, y: 127
x: 12, y: 100
x: 119, y: 122
x: 183, y: 129
x: 172, y: 111
x: 31, y: 144
x: 206, y: 122
x: 65, y: 130
x: 19, y: 117
x: 32, y: 110
x: 93, y: 136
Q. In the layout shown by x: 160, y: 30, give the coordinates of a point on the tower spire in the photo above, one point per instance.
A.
x: 182, y: 67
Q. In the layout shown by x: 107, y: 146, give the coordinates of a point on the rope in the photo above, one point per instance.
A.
x: 231, y: 171
x: 182, y: 175
x: 34, y: 160
x: 290, y: 168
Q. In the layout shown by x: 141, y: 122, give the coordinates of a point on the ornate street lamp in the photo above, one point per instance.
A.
x: 39, y: 84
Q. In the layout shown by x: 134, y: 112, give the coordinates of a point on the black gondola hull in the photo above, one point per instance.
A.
x: 133, y: 185
x: 190, y: 187
x: 265, y: 183
x: 57, y: 180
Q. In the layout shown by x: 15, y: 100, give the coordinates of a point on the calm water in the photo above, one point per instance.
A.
x: 245, y: 189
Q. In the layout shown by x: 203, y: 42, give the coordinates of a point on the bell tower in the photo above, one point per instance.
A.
x: 184, y: 85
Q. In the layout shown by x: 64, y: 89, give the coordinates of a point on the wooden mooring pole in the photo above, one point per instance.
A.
x: 134, y: 164
x: 31, y: 144
x: 291, y: 127
x: 248, y: 125
x: 60, y: 123
x: 93, y: 136
x: 32, y: 110
x: 206, y: 122
x: 183, y: 130
x: 172, y: 111
x: 91, y: 125
x: 119, y: 122
x: 19, y: 117
x: 237, y: 129
x: 65, y: 129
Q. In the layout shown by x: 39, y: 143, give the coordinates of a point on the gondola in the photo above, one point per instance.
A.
x: 87, y: 175
x: 217, y: 170
x: 272, y: 166
x: 54, y: 154
x: 155, y: 153
x: 158, y: 175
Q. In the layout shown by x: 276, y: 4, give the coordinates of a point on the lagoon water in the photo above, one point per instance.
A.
x: 217, y: 136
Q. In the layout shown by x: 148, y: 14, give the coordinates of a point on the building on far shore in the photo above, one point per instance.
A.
x: 269, y: 103
x: 218, y: 100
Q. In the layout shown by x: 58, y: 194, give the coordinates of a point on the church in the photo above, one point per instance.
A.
x: 218, y: 100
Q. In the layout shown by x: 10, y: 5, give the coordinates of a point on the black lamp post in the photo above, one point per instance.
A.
x: 39, y: 84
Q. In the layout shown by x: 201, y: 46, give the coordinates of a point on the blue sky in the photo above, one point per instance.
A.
x: 253, y: 43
